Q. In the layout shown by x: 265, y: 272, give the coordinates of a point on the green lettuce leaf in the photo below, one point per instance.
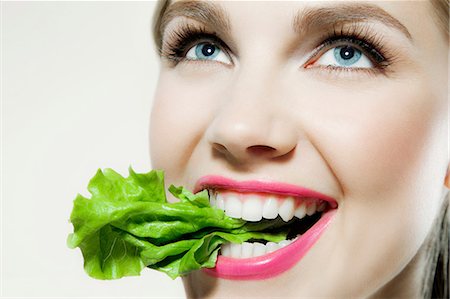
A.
x: 128, y: 225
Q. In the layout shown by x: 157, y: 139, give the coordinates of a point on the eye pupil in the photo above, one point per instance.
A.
x: 347, y: 52
x: 208, y: 49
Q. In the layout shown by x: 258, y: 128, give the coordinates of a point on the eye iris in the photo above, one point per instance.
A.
x: 206, y: 50
x: 347, y: 55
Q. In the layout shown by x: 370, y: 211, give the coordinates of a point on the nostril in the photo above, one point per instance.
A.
x: 260, y: 150
x: 219, y: 148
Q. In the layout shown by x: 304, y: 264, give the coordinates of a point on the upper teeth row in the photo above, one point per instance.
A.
x: 254, y: 207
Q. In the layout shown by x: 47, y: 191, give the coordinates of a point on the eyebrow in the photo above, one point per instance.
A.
x: 205, y: 12
x: 345, y: 13
x: 215, y: 16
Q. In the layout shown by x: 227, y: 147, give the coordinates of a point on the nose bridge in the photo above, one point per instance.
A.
x: 252, y: 115
x: 255, y: 84
x: 250, y: 96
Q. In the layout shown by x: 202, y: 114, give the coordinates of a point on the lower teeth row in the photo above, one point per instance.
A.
x: 248, y: 250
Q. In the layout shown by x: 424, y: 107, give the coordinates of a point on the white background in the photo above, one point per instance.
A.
x: 77, y: 84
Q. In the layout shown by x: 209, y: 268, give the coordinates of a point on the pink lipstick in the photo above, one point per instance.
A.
x: 278, y: 261
x: 259, y: 186
x: 274, y: 263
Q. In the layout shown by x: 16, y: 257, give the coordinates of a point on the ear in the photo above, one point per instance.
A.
x: 447, y: 178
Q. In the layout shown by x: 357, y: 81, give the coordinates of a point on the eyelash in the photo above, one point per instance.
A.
x: 356, y: 34
x: 182, y: 39
x: 365, y: 39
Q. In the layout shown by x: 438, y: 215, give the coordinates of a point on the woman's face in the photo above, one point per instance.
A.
x: 348, y: 99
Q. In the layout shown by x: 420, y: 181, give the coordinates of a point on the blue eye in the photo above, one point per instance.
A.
x: 207, y: 51
x: 345, y: 56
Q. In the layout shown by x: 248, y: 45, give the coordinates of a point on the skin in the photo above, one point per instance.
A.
x: 377, y: 144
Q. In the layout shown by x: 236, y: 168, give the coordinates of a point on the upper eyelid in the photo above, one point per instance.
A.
x: 336, y: 42
x: 360, y: 26
x: 198, y: 29
x: 216, y: 40
x: 222, y: 33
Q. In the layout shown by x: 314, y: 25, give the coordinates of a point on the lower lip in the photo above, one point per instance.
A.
x: 274, y: 263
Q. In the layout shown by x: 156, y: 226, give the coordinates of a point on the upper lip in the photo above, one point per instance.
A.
x: 260, y: 186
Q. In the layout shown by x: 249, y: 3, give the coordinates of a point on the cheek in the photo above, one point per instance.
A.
x: 388, y: 150
x: 180, y: 115
x: 388, y: 142
x: 391, y: 155
x: 383, y: 139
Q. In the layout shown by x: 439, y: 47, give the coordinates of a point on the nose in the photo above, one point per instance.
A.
x: 253, y: 123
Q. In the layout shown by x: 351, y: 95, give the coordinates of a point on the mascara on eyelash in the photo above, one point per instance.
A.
x: 179, y: 41
x: 366, y: 37
x: 358, y: 35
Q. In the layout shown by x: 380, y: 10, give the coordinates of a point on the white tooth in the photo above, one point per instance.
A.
x: 284, y: 243
x: 212, y: 198
x: 321, y: 207
x: 235, y: 250
x: 233, y: 206
x: 270, y: 209
x: 220, y: 202
x: 247, y: 250
x: 271, y: 246
x: 252, y: 209
x: 259, y: 249
x: 287, y: 209
x: 300, y: 212
x: 226, y: 249
x: 311, y: 208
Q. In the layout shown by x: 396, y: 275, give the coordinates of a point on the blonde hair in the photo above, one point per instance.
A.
x: 441, y: 11
x: 161, y: 8
x: 436, y: 275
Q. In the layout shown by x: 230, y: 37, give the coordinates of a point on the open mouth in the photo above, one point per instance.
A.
x: 300, y: 213
x: 275, y: 213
